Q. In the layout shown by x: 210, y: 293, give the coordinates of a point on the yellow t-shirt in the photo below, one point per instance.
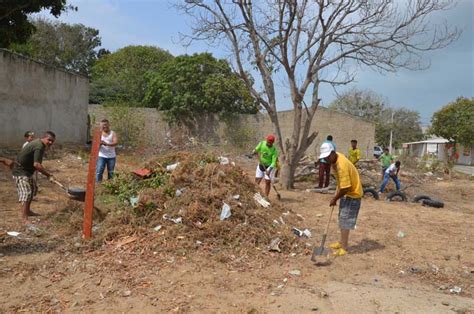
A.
x: 354, y: 155
x: 347, y: 176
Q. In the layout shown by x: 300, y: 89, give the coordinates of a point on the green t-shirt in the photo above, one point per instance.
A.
x: 386, y: 160
x: 268, y: 155
x: 31, y: 153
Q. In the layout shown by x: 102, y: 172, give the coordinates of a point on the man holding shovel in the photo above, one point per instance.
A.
x: 349, y: 192
x: 266, y: 168
x: 28, y: 161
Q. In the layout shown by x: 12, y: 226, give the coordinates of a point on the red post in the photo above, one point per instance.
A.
x: 89, y: 205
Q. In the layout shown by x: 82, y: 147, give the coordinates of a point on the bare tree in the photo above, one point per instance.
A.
x: 310, y: 43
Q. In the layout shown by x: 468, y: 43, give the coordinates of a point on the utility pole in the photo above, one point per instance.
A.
x: 391, y: 134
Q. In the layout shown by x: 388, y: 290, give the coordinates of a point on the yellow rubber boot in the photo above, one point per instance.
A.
x: 340, y: 252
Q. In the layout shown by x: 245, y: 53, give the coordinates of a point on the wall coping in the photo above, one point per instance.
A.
x: 19, y: 55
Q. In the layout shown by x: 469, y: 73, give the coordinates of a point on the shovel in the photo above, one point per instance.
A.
x: 278, y: 194
x: 74, y: 193
x: 320, y: 251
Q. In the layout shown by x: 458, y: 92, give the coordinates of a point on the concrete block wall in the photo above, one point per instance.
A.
x: 38, y: 97
x: 342, y: 127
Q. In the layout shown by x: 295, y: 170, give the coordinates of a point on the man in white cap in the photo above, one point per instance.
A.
x: 349, y: 192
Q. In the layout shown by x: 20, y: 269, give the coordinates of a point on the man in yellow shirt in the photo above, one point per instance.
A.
x: 354, y: 152
x: 349, y: 192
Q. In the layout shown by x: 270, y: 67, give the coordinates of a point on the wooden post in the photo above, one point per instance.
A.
x: 89, y: 205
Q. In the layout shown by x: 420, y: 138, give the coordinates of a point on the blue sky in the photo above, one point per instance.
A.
x: 156, y: 22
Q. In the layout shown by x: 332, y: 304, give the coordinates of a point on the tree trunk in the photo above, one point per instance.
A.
x: 287, y: 177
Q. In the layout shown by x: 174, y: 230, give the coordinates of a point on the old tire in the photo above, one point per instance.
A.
x: 418, y: 198
x: 371, y: 191
x: 432, y: 203
x: 396, y: 194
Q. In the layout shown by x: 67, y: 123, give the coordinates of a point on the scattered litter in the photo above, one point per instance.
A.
x: 286, y: 213
x: 236, y: 197
x: 157, y: 228
x: 307, y: 233
x: 32, y: 228
x: 414, y: 270
x: 134, y: 201
x: 13, y: 233
x: 300, y: 216
x: 297, y: 231
x: 282, y: 221
x: 275, y: 245
x: 198, y: 242
x: 142, y: 173
x: 301, y: 233
x: 225, y: 213
x: 295, y: 272
x: 259, y: 199
x: 285, y: 279
x: 401, y: 272
x: 401, y: 234
x: 179, y: 192
x: 176, y: 220
x: 280, y: 286
x: 172, y: 167
x: 126, y: 293
x: 323, y: 294
x: 455, y: 289
x: 319, y: 215
x: 223, y: 160
x: 429, y: 174
x: 276, y: 222
x: 434, y: 268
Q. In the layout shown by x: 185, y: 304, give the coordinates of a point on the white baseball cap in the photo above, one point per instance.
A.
x: 325, y: 150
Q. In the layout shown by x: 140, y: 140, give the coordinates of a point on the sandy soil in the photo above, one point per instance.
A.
x: 42, y: 271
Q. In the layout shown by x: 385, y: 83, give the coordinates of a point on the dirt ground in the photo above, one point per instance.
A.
x: 40, y: 270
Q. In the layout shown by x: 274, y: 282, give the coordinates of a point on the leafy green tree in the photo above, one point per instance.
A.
x: 121, y: 75
x: 406, y: 127
x: 14, y: 24
x: 371, y: 106
x: 455, y: 121
x: 73, y: 47
x: 187, y: 86
x: 365, y: 104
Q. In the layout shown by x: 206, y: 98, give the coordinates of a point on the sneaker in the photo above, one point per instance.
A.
x: 335, y: 245
x: 340, y: 252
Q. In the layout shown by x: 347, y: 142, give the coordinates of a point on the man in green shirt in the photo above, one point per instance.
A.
x: 385, y: 160
x: 267, y: 165
x: 28, y: 161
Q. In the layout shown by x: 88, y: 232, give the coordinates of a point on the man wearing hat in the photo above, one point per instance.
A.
x: 266, y: 168
x: 348, y: 192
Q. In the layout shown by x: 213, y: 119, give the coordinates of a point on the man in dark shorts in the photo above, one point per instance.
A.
x: 28, y: 161
x: 349, y: 192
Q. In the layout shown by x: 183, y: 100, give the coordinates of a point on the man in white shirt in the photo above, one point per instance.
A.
x: 107, y: 154
x: 391, y: 173
x: 29, y: 136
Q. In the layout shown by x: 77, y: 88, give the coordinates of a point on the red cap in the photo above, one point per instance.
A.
x: 271, y: 138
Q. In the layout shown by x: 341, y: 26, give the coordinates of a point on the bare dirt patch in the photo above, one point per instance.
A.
x: 51, y: 269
